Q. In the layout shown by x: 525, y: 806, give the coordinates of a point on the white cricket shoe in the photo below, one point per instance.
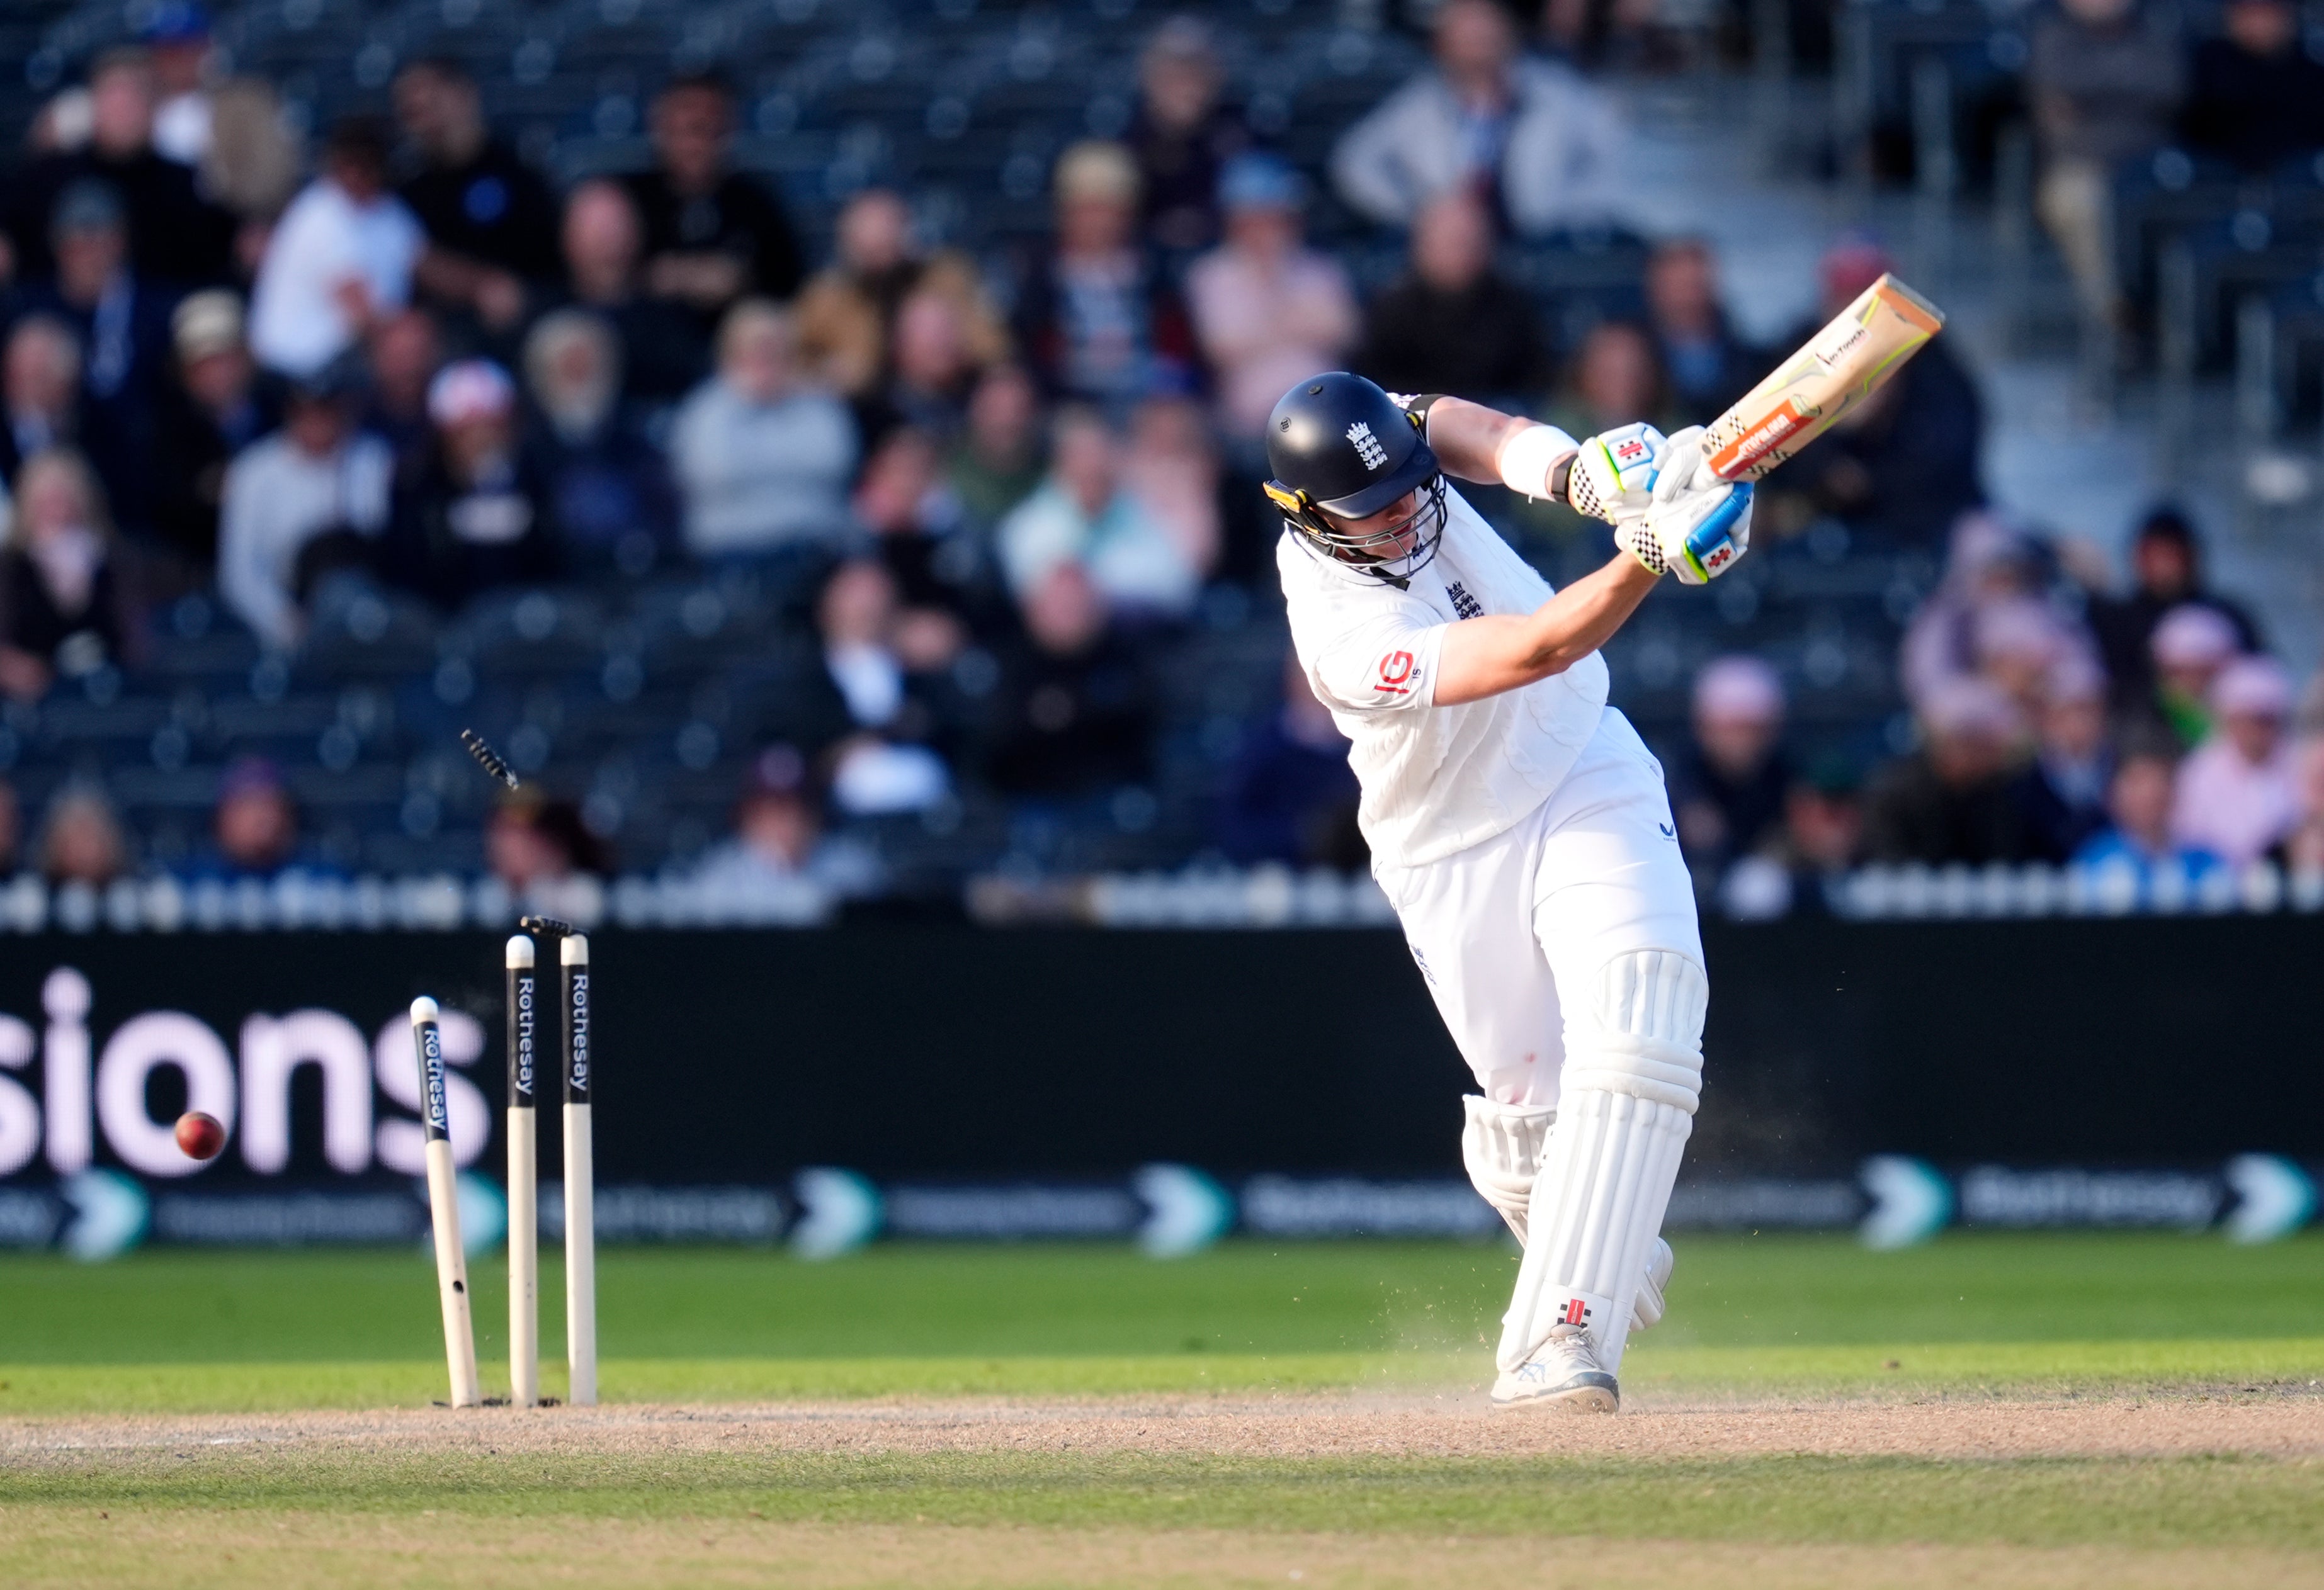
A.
x: 1564, y: 1374
x: 1647, y: 1310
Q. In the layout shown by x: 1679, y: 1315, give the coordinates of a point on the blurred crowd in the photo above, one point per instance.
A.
x: 397, y: 358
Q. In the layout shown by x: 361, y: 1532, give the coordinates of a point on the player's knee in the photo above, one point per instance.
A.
x: 1647, y: 1011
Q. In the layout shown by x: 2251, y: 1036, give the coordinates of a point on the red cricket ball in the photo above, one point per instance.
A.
x: 200, y: 1136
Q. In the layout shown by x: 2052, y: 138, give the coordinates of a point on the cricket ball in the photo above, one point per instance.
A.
x: 200, y: 1136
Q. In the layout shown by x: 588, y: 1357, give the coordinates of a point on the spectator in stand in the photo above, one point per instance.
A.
x: 1529, y: 137
x: 997, y: 463
x: 1083, y: 516
x: 533, y: 844
x: 914, y: 517
x: 934, y: 366
x: 1292, y: 796
x: 254, y: 164
x: 61, y: 610
x: 664, y: 353
x: 2302, y: 850
x: 253, y: 828
x: 1951, y: 801
x: 762, y: 458
x: 1988, y: 565
x: 2235, y: 795
x: 1269, y: 310
x: 211, y: 410
x: 341, y: 260
x: 176, y: 36
x: 779, y: 864
x: 2064, y: 788
x: 1182, y: 135
x: 1171, y: 468
x: 404, y: 352
x: 175, y: 235
x: 311, y: 497
x: 1075, y: 713
x: 1729, y: 784
x: 1707, y: 365
x: 848, y: 314
x: 713, y: 235
x: 42, y: 378
x: 608, y: 487
x: 1902, y: 466
x: 2138, y: 839
x: 884, y: 763
x: 122, y: 326
x: 1452, y: 323
x: 2105, y: 79
x: 477, y: 515
x: 2255, y: 94
x: 1617, y: 369
x: 491, y: 221
x: 81, y: 838
x: 1823, y: 827
x: 2021, y: 644
x: 2166, y: 571
x: 1096, y: 315
x: 2192, y: 646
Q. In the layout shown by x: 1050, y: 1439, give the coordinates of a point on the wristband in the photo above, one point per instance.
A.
x: 1526, y: 459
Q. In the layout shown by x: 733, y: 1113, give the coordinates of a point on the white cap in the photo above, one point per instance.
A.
x: 1736, y: 687
x: 1963, y: 705
x: 2191, y: 636
x: 2253, y: 687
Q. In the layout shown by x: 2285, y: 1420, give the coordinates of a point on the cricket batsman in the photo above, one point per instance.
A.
x: 1517, y: 823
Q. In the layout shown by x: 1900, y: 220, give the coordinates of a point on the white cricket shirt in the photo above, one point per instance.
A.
x: 1436, y: 779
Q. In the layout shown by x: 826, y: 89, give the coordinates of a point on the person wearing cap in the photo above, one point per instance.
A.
x: 1726, y: 786
x: 1540, y: 146
x: 2166, y: 572
x: 211, y: 409
x: 713, y: 235
x: 2191, y: 646
x: 2255, y: 93
x: 177, y: 34
x: 1901, y: 468
x: 123, y: 325
x: 2136, y: 842
x: 339, y: 261
x: 1181, y: 134
x: 2236, y: 796
x: 1096, y: 317
x: 2063, y: 789
x: 176, y: 236
x: 490, y: 219
x: 1452, y: 322
x: 1951, y: 801
x: 476, y: 516
x: 253, y: 829
x: 315, y: 491
x: 1268, y: 308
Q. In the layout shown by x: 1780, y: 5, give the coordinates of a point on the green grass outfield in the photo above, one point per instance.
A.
x: 1793, y: 1318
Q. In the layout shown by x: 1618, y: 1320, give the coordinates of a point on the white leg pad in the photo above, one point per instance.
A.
x: 1625, y: 1108
x: 1501, y: 1145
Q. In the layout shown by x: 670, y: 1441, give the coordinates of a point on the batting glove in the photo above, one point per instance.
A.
x: 1695, y: 525
x: 1613, y: 476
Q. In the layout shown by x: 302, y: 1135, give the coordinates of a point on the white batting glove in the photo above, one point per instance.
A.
x: 1613, y: 476
x: 1695, y: 525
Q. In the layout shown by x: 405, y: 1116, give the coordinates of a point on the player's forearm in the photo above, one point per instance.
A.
x: 1484, y: 656
x: 1468, y: 439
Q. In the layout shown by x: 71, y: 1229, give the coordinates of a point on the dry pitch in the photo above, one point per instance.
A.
x: 1317, y: 1490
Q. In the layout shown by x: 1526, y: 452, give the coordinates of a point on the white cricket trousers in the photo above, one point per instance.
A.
x: 1514, y: 930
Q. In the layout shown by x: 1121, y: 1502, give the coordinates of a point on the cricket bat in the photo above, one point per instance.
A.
x: 1841, y: 366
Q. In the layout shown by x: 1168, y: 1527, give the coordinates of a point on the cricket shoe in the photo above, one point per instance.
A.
x: 1647, y: 1311
x: 1564, y: 1374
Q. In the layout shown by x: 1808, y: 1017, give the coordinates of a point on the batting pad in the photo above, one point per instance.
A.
x: 1623, y: 1111
x: 1501, y: 1146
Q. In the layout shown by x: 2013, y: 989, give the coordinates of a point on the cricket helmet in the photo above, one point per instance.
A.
x: 1342, y: 449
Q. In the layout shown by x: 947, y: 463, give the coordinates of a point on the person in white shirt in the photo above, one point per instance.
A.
x: 316, y: 476
x: 1517, y: 823
x: 340, y: 260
